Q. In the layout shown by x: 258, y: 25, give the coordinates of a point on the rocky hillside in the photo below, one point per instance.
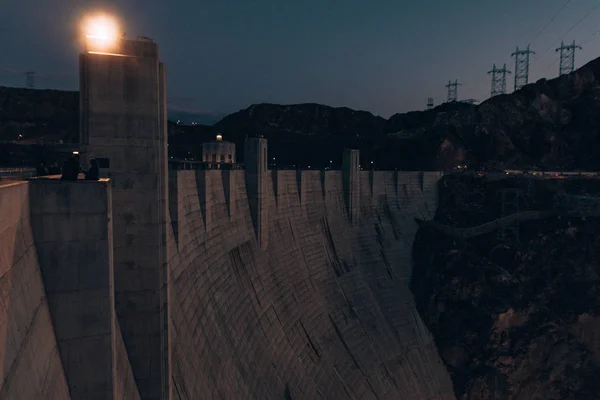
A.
x: 49, y: 114
x: 550, y: 123
x: 518, y: 321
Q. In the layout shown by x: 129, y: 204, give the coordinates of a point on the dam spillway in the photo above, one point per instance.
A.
x: 153, y: 283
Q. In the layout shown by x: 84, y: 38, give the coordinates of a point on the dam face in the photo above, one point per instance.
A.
x: 323, y: 312
x: 224, y: 284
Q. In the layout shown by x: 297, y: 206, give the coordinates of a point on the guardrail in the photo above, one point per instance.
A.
x: 178, y: 164
x: 17, y: 173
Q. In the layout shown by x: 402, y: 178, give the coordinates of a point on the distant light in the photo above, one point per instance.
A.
x: 219, y: 138
x: 101, y: 31
x: 75, y: 152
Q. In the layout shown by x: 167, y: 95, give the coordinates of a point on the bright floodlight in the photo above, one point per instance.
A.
x: 101, y: 30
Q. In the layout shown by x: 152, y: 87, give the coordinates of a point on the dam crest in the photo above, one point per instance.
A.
x: 157, y: 283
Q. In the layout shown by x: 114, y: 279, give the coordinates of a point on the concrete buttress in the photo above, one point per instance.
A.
x: 123, y: 124
x: 351, y: 176
x: 255, y: 155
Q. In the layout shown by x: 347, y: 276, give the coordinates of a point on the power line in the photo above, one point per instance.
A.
x: 550, y: 21
x: 429, y: 103
x: 552, y: 64
x: 589, y: 38
x: 587, y: 14
x: 10, y: 70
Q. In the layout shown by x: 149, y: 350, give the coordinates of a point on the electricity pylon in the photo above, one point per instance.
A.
x: 498, y: 80
x: 522, y: 67
x: 567, y: 58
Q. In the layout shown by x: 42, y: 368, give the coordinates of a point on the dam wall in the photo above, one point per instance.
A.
x: 61, y: 336
x: 30, y: 363
x: 317, y: 304
x: 314, y: 304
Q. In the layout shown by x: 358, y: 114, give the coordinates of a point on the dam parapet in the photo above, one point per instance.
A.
x: 270, y: 188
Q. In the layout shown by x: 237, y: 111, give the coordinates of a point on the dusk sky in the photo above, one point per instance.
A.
x: 380, y: 56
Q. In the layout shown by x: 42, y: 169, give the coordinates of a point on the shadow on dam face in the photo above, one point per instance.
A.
x: 324, y: 311
x: 30, y: 365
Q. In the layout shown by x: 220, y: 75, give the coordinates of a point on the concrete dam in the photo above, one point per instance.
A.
x: 153, y: 283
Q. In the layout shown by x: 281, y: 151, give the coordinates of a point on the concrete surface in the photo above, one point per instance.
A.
x: 30, y: 364
x: 60, y: 338
x: 324, y: 311
x: 123, y: 118
x: 72, y: 229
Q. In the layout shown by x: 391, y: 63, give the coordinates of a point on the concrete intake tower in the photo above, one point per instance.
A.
x: 157, y: 284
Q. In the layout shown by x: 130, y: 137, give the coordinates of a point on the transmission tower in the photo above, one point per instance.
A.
x: 429, y: 103
x: 452, y: 90
x: 498, y: 80
x: 30, y: 79
x: 521, y: 67
x: 567, y: 58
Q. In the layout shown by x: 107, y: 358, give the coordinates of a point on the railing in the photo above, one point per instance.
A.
x: 182, y: 164
x: 17, y: 173
x: 179, y: 164
x: 297, y: 168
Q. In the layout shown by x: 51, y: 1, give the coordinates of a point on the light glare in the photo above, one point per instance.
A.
x: 101, y: 30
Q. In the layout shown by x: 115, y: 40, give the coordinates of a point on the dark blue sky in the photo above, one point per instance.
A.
x: 382, y: 56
